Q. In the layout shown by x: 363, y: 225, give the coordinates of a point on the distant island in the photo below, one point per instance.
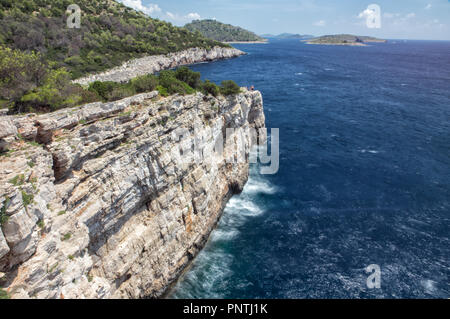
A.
x: 344, y: 39
x: 222, y: 32
x: 287, y: 36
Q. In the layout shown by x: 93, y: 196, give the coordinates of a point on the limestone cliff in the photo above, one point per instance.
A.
x: 155, y: 63
x: 96, y: 201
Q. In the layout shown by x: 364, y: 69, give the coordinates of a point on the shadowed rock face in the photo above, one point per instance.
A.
x: 156, y: 63
x: 105, y: 207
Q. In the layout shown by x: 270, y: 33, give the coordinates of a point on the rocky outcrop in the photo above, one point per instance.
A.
x: 155, y: 63
x: 100, y: 201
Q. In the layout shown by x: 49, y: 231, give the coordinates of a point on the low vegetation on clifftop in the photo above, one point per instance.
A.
x: 28, y: 83
x: 39, y: 55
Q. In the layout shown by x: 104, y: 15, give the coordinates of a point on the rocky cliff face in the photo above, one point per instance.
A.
x: 156, y: 63
x: 97, y: 202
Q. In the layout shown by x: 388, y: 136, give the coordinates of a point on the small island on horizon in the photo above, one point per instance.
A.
x: 288, y: 36
x: 345, y: 39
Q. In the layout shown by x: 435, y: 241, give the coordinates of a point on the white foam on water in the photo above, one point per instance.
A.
x: 255, y: 186
x: 224, y: 235
x: 212, y: 267
x: 299, y: 73
x: 369, y: 151
x: 429, y: 285
x: 243, y: 206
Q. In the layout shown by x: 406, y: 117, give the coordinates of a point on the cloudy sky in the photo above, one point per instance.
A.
x: 400, y: 19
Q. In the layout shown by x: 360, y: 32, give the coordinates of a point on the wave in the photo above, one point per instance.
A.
x: 255, y: 186
x: 369, y: 151
x: 244, y: 207
x: 211, y: 270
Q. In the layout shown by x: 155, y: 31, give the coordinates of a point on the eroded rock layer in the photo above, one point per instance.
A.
x: 155, y: 63
x: 100, y: 202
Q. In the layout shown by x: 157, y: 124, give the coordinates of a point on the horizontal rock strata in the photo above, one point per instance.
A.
x: 97, y: 201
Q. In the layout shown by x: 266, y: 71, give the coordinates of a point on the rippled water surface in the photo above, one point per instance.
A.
x: 364, y: 176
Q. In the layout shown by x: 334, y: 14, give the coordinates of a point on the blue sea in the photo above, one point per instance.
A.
x: 364, y: 176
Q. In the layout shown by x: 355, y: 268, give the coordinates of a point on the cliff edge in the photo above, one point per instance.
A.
x: 99, y: 201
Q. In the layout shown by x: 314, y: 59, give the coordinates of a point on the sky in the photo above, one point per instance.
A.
x: 399, y: 19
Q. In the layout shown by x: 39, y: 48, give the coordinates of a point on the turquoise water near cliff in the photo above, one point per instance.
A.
x: 364, y: 176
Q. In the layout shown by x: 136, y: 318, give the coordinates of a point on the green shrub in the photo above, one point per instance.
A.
x: 20, y: 72
x: 229, y: 88
x: 3, y: 217
x: 17, y: 180
x: 120, y: 92
x: 188, y: 76
x: 210, y: 88
x: 168, y: 80
x: 90, y: 96
x: 27, y: 199
x: 146, y: 83
x: 162, y: 91
x: 103, y: 89
x: 4, y: 294
x: 56, y: 92
x: 41, y: 224
x: 187, y: 89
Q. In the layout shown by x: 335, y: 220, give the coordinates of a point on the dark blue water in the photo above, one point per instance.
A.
x: 364, y: 176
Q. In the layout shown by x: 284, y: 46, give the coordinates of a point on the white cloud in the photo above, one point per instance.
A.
x: 175, y: 17
x: 193, y: 16
x: 137, y: 4
x: 320, y: 23
x: 410, y: 15
x: 365, y: 13
x: 368, y: 13
x: 428, y: 7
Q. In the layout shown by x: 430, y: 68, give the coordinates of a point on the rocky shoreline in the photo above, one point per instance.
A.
x: 96, y: 201
x: 156, y: 63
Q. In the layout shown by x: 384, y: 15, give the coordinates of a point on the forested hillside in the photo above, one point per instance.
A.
x: 216, y: 30
x: 110, y: 33
x: 40, y: 55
